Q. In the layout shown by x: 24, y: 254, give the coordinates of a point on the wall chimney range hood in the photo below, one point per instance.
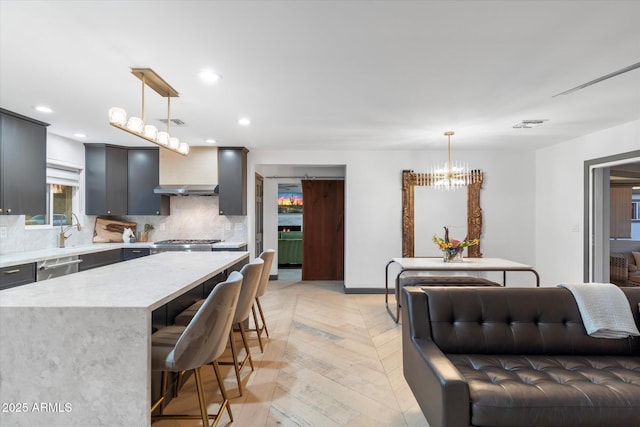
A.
x: 187, y: 190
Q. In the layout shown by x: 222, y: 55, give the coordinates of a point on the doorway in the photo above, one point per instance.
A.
x: 259, y: 223
x: 290, y: 218
x: 276, y: 174
x: 599, y: 242
x: 323, y: 225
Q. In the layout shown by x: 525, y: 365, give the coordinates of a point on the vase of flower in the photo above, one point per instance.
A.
x: 452, y: 255
x: 452, y: 248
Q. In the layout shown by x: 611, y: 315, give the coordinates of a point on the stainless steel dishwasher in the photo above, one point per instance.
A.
x: 50, y: 268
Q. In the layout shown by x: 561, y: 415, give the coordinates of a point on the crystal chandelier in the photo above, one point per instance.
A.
x: 451, y: 176
x: 136, y: 126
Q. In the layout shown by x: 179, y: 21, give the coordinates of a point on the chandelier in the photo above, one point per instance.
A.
x: 136, y: 126
x: 451, y: 176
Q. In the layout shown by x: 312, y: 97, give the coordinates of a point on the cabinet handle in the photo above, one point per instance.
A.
x: 136, y: 251
x: 0, y: 210
x: 157, y: 212
x: 109, y: 212
x: 17, y: 270
x: 9, y: 210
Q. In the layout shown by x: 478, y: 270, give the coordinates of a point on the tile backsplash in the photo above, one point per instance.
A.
x: 191, y: 218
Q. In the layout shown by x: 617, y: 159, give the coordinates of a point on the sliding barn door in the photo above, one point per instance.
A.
x: 323, y: 230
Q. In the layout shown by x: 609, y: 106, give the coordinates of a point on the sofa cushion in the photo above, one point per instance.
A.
x: 420, y: 280
x: 506, y: 390
x: 497, y: 320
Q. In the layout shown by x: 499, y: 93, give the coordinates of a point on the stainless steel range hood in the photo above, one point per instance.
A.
x: 187, y: 190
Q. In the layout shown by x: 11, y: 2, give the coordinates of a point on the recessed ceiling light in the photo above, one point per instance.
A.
x: 79, y: 135
x: 210, y: 77
x: 43, y: 109
x: 210, y: 141
x: 244, y: 121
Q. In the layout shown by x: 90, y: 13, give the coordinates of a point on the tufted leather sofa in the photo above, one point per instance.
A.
x: 491, y: 356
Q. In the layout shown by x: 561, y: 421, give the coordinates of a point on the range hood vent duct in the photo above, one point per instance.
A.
x: 187, y: 190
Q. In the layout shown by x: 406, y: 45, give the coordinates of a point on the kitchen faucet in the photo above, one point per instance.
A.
x: 62, y: 235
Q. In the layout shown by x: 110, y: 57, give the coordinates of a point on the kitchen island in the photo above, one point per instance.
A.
x: 76, y: 349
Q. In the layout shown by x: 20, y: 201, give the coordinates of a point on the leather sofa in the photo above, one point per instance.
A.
x: 492, y: 356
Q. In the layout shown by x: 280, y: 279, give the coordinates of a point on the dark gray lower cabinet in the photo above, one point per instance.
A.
x: 240, y: 249
x: 17, y: 275
x: 133, y: 253
x: 99, y: 259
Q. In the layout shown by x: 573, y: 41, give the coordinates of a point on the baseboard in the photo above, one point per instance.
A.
x: 366, y: 290
x: 273, y: 277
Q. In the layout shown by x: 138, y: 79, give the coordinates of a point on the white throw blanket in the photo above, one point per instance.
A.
x: 604, y: 309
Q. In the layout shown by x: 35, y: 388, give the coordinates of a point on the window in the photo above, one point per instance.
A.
x: 635, y: 210
x: 63, y: 184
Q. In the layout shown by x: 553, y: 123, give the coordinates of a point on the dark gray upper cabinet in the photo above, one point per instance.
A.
x: 144, y: 177
x: 106, y: 179
x: 23, y: 165
x: 232, y: 180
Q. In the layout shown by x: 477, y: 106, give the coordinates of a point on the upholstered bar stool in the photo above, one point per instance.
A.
x: 202, y: 342
x: 251, y: 279
x: 267, y: 257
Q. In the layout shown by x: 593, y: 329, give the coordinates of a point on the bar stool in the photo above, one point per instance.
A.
x: 202, y: 342
x: 251, y: 279
x: 267, y: 256
x: 251, y: 273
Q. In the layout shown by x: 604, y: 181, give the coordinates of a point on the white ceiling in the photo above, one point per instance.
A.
x: 327, y: 74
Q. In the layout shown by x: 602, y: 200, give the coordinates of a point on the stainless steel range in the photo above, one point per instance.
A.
x: 183, y: 245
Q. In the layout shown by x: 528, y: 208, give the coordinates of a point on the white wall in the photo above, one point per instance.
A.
x: 559, y: 199
x: 373, y: 209
x: 65, y: 151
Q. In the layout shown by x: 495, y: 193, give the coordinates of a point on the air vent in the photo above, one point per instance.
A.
x: 174, y: 122
x: 527, y: 124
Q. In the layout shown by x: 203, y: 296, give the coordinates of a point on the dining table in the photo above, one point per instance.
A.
x: 433, y: 264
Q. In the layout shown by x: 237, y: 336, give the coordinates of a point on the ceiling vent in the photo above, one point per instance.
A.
x: 174, y: 122
x: 528, y: 124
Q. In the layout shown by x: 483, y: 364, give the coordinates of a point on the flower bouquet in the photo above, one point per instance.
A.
x: 452, y: 248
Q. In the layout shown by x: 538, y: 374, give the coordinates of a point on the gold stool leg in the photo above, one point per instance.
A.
x: 246, y: 344
x: 201, y: 399
x: 160, y: 402
x: 257, y: 329
x: 264, y: 324
x: 234, y: 353
x: 223, y: 390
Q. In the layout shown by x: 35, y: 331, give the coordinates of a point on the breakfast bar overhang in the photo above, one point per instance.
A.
x: 75, y: 350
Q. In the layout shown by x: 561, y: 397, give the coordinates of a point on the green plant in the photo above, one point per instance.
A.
x: 148, y: 227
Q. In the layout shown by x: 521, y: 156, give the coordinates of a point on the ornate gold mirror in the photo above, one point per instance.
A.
x: 412, y: 179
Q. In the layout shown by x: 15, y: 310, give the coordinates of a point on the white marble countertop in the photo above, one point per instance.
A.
x: 481, y: 264
x: 146, y: 282
x: 16, y: 258
x: 229, y: 245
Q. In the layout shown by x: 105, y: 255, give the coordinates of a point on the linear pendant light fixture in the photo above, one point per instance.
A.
x: 450, y: 176
x: 135, y: 125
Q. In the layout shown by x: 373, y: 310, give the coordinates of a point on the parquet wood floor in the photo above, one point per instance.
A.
x: 332, y: 360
